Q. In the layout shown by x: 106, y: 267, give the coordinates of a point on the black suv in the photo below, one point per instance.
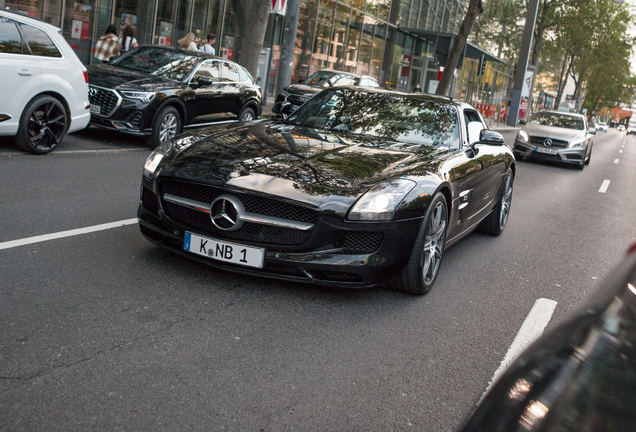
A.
x: 297, y: 94
x: 156, y: 91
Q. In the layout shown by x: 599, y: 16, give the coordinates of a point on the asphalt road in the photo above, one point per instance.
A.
x: 104, y: 331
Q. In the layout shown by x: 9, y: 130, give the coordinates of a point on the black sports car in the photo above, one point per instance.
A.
x: 580, y: 376
x: 156, y: 91
x: 295, y: 95
x: 358, y: 188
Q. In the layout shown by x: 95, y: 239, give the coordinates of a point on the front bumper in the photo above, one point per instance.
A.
x: 567, y: 155
x: 321, y: 259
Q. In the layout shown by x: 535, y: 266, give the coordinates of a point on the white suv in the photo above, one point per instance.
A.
x: 44, y: 87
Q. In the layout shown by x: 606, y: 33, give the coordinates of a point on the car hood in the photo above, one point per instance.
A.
x: 302, y: 89
x: 297, y: 162
x: 554, y: 132
x: 108, y: 76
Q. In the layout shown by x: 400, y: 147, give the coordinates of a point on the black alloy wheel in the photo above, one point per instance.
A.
x: 496, y: 221
x: 422, y: 269
x: 247, y: 114
x: 165, y: 126
x: 43, y: 124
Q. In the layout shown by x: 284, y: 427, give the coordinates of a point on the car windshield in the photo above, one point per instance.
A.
x: 558, y: 120
x: 396, y: 117
x: 602, y: 124
x: 325, y: 79
x: 157, y: 61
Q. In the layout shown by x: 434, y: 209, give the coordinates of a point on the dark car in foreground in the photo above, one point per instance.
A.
x: 580, y: 376
x: 358, y: 188
x: 157, y: 91
x: 556, y: 136
x: 296, y: 95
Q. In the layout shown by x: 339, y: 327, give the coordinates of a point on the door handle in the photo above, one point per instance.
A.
x: 24, y: 72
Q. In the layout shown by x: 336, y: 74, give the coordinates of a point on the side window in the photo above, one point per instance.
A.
x: 473, y: 125
x: 10, y: 39
x: 209, y: 69
x: 39, y: 42
x: 229, y: 72
x: 243, y: 76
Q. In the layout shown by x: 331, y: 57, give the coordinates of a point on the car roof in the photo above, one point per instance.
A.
x: 421, y: 96
x: 21, y: 16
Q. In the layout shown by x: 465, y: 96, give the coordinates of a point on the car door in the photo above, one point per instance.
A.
x: 232, y: 95
x: 21, y: 75
x: 207, y: 101
x: 489, y: 168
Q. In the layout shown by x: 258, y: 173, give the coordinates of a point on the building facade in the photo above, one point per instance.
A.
x: 395, y: 41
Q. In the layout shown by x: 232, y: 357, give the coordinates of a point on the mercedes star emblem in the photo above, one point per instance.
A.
x: 547, y: 142
x: 226, y: 212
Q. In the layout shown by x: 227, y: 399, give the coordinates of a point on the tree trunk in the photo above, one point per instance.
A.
x: 474, y: 9
x: 562, y: 84
x: 254, y: 28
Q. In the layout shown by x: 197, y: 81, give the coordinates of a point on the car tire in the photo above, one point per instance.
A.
x: 589, y: 158
x: 166, y: 125
x: 422, y: 268
x: 247, y: 114
x: 496, y: 221
x: 43, y: 125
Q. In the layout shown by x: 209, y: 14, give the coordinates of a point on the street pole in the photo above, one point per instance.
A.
x: 288, y: 45
x: 522, y: 65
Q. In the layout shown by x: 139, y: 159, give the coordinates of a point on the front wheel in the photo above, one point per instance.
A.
x: 43, y: 124
x: 421, y: 271
x: 165, y: 126
x: 496, y: 221
x: 247, y: 115
x: 589, y: 157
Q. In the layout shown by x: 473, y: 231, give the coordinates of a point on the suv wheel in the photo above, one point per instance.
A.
x: 43, y: 124
x: 165, y: 126
x: 247, y: 115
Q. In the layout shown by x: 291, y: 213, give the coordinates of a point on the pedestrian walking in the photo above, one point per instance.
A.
x: 187, y: 42
x: 128, y: 40
x: 208, y: 47
x: 107, y: 46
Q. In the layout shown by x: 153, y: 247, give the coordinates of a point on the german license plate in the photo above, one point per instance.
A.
x: 547, y: 150
x: 96, y: 109
x: 224, y: 251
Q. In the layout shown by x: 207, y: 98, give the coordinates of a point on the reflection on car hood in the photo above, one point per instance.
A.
x: 298, y: 162
x: 303, y: 89
x: 118, y: 78
x: 554, y: 132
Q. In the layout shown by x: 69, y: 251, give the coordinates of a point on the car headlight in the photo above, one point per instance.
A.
x: 522, y: 136
x: 141, y: 95
x: 381, y: 201
x: 576, y: 144
x: 155, y: 158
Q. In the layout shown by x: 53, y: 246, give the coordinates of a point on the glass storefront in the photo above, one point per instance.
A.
x: 360, y: 36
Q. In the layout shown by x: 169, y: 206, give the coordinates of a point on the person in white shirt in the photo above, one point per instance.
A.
x: 208, y: 47
x: 128, y: 41
x: 188, y: 42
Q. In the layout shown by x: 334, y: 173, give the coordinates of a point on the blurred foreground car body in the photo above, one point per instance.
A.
x: 580, y: 376
x: 360, y: 187
x: 44, y: 89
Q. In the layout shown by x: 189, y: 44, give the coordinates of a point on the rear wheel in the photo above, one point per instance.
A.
x: 43, y: 124
x: 165, y: 126
x: 421, y: 271
x: 496, y: 221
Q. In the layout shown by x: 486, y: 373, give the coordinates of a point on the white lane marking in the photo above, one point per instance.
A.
x: 69, y: 233
x: 530, y: 330
x: 615, y: 160
x: 604, y: 186
x: 620, y: 151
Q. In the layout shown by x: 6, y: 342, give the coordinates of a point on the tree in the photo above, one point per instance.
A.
x: 251, y: 16
x: 474, y: 9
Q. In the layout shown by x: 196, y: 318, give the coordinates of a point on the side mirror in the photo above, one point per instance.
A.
x: 491, y: 137
x: 523, y: 121
x: 203, y: 82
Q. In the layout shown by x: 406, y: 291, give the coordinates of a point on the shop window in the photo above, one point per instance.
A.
x: 10, y: 39
x: 39, y: 42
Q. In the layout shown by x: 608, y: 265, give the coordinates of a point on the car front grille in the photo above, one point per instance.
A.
x: 107, y: 99
x: 149, y: 201
x: 297, y: 99
x: 249, y: 231
x: 362, y: 242
x: 555, y: 142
